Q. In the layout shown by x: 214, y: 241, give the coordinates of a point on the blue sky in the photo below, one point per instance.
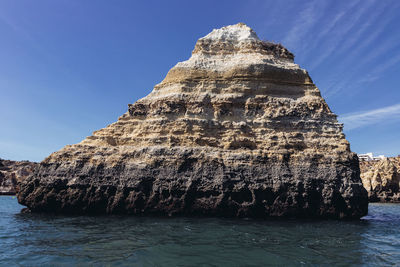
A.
x: 70, y: 67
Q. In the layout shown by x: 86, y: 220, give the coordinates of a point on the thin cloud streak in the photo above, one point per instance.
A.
x: 341, y: 33
x: 357, y: 36
x: 360, y: 119
x: 329, y: 27
x: 378, y: 70
x: 345, y: 77
x: 343, y: 82
x: 377, y: 28
x: 308, y: 18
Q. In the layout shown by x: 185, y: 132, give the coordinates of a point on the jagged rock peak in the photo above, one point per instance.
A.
x: 235, y: 52
x: 232, y: 33
x: 239, y: 38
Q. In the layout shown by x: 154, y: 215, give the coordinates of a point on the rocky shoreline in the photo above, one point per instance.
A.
x: 381, y: 179
x: 237, y: 130
x: 13, y: 172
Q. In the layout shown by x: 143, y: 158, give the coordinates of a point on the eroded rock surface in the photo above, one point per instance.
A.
x: 239, y: 130
x: 382, y: 179
x: 12, y: 172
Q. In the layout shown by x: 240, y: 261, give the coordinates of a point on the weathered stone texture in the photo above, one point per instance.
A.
x: 382, y: 179
x: 237, y: 130
x: 12, y: 172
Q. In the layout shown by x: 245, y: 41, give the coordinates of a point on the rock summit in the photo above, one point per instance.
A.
x: 237, y: 130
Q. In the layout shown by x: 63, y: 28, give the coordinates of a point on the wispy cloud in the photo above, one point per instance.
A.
x: 308, y: 17
x: 375, y: 26
x: 329, y: 26
x: 340, y: 34
x: 361, y: 119
x: 379, y: 69
x: 350, y: 79
x: 366, y: 49
x: 366, y: 24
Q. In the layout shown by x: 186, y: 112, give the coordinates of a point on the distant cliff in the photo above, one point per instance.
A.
x: 12, y: 172
x: 381, y: 179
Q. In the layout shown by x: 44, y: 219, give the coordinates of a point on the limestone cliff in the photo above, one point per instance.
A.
x: 382, y: 179
x: 12, y: 172
x: 239, y: 129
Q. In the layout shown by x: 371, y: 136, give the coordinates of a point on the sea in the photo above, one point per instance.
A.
x: 28, y: 239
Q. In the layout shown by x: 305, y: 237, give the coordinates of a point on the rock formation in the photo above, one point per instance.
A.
x: 382, y: 179
x: 12, y: 172
x: 237, y: 130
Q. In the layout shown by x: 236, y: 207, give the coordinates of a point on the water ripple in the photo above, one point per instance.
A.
x: 48, y: 240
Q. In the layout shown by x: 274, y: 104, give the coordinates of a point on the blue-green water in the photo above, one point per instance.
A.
x: 48, y: 240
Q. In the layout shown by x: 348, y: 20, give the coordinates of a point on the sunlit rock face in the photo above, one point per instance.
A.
x: 382, y: 179
x: 237, y: 130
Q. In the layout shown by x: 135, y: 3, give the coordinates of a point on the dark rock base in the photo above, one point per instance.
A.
x: 200, y: 188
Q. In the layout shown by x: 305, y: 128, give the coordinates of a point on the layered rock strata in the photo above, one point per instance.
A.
x: 12, y: 172
x: 237, y: 130
x: 382, y: 179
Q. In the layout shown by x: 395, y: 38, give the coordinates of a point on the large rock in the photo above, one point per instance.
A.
x: 12, y: 172
x: 382, y: 179
x: 236, y: 130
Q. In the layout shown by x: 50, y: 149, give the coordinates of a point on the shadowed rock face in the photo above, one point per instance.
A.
x: 237, y: 130
x: 12, y: 172
x: 382, y: 179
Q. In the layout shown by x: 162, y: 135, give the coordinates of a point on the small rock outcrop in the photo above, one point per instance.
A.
x: 381, y: 178
x: 12, y: 172
x: 237, y: 130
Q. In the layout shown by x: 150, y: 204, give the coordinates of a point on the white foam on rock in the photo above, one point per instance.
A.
x: 238, y: 32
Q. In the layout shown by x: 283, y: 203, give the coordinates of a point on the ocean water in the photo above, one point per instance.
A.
x: 49, y: 240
